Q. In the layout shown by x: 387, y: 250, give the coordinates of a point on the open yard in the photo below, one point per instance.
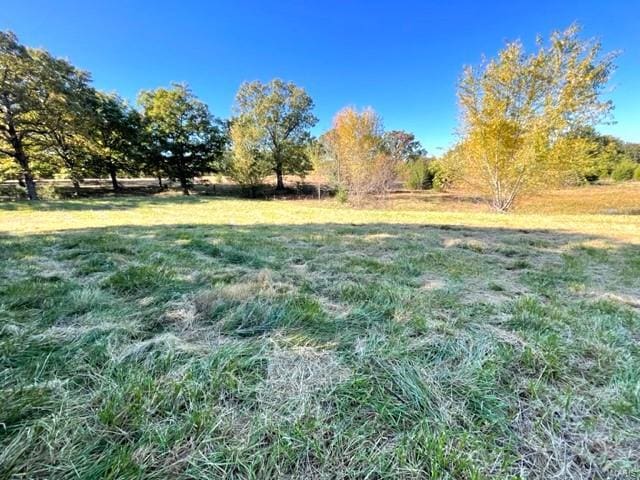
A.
x: 206, y: 337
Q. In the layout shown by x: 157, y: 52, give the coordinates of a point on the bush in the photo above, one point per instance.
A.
x: 342, y: 195
x: 442, y: 175
x: 48, y: 191
x: 636, y: 174
x: 14, y: 192
x: 624, y: 170
x: 419, y: 174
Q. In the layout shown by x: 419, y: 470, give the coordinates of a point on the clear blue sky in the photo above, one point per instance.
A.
x: 403, y: 58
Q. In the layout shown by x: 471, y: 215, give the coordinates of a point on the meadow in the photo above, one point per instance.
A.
x: 418, y: 337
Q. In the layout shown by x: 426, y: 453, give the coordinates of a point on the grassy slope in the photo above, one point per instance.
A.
x: 200, y: 338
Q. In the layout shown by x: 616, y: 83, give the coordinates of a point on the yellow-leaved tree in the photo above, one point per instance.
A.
x: 519, y: 112
x: 356, y: 153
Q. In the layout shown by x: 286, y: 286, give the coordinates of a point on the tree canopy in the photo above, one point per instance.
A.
x: 279, y: 116
x: 528, y: 120
x: 34, y: 89
x: 188, y: 138
x: 519, y: 109
x: 357, y: 153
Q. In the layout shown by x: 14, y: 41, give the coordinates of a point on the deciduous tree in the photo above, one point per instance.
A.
x: 355, y: 146
x: 248, y: 164
x: 280, y: 115
x: 189, y: 139
x: 403, y: 146
x: 33, y: 87
x: 115, y: 139
x: 519, y: 108
x: 68, y: 128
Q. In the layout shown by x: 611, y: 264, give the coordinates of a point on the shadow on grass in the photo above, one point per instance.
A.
x: 366, y: 254
x: 120, y: 201
x: 143, y: 327
x: 100, y: 198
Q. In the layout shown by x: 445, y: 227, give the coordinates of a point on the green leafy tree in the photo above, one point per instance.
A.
x: 632, y: 150
x: 68, y: 129
x: 34, y: 86
x: 602, y: 153
x: 153, y: 162
x: 188, y: 138
x: 519, y: 110
x: 279, y: 115
x: 624, y: 170
x: 248, y: 165
x: 116, y: 136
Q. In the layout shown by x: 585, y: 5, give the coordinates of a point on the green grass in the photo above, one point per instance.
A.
x: 210, y: 338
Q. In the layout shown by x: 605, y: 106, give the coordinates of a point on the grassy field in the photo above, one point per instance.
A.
x: 221, y: 338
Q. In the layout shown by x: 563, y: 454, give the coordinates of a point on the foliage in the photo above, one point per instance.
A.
x: 632, y: 150
x: 278, y: 116
x: 602, y: 153
x: 636, y: 173
x: 357, y: 155
x: 189, y: 140
x: 425, y: 173
x: 418, y: 175
x: 248, y: 164
x: 518, y: 109
x: 342, y: 194
x: 115, y: 137
x: 624, y: 170
x: 403, y: 146
x: 68, y: 128
x: 35, y: 88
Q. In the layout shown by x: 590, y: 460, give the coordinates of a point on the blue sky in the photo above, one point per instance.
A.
x: 403, y: 58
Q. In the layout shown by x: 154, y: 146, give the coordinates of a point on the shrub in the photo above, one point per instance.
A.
x: 419, y: 174
x: 636, y: 174
x: 48, y: 191
x: 624, y: 170
x: 442, y: 175
x: 342, y: 195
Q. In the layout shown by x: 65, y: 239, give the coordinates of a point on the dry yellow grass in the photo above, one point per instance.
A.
x: 612, y: 198
x: 587, y: 210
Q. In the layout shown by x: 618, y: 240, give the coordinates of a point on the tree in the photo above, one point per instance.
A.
x: 33, y: 86
x: 68, y: 129
x: 248, y: 164
x: 280, y: 115
x: 115, y: 140
x: 519, y: 110
x: 360, y: 161
x: 403, y: 146
x: 602, y: 153
x: 321, y: 163
x: 189, y: 139
x: 632, y: 150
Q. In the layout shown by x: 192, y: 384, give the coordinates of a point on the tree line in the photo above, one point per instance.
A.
x: 527, y: 121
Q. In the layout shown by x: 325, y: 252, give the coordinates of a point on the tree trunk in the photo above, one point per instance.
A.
x: 76, y: 186
x: 185, y: 185
x: 160, y: 182
x: 27, y: 176
x: 32, y: 194
x: 114, y: 179
x: 279, y: 178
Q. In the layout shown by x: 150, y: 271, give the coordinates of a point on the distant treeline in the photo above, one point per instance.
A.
x: 525, y: 118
